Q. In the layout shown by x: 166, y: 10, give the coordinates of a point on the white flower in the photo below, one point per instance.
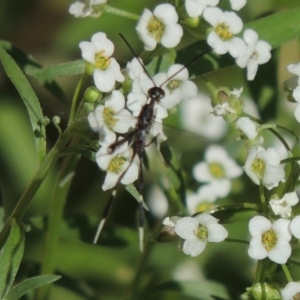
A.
x: 160, y: 27
x: 178, y: 88
x: 82, y: 9
x: 197, y: 231
x: 296, y: 96
x: 264, y: 165
x: 116, y: 164
x: 201, y: 200
x: 217, y: 169
x: 112, y: 114
x: 225, y: 26
x: 237, y: 4
x: 196, y: 117
x: 223, y: 109
x: 270, y: 240
x: 291, y: 290
x: 247, y: 126
x: 257, y: 53
x: 195, y: 8
x: 106, y: 69
x: 295, y: 227
x: 283, y: 207
x: 294, y: 69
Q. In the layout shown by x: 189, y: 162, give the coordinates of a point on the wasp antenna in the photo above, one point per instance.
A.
x: 186, y: 65
x: 137, y: 57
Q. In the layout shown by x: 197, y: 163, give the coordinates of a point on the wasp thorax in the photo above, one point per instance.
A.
x: 156, y: 93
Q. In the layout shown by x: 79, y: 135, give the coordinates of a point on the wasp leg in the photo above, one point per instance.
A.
x: 105, y: 214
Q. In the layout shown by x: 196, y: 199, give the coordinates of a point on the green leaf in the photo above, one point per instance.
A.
x: 65, y: 69
x: 206, y: 289
x: 176, y: 192
x: 11, y: 258
x: 30, y: 66
x: 30, y: 100
x: 236, y: 212
x: 30, y: 284
x: 134, y: 192
x: 161, y: 63
x: 278, y: 28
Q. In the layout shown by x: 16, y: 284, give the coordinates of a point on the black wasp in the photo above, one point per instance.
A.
x: 137, y: 139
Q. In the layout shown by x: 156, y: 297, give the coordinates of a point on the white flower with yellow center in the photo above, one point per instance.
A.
x: 283, y: 207
x: 291, y: 291
x: 202, y: 200
x: 179, y: 88
x: 225, y: 25
x: 270, y: 240
x: 218, y: 169
x: 112, y: 114
x: 198, y: 231
x: 161, y: 26
x: 257, y: 53
x: 115, y: 164
x: 264, y: 166
x: 106, y: 71
x: 295, y: 69
x: 195, y: 8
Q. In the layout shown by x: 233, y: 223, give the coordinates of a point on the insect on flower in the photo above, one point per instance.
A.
x: 137, y: 139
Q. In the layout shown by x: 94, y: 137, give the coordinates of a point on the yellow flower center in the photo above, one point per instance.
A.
x: 258, y: 167
x: 108, y: 116
x: 223, y: 32
x: 174, y: 84
x: 115, y: 165
x: 156, y: 28
x: 203, y: 206
x: 269, y: 240
x: 102, y: 62
x: 217, y: 170
x: 202, y: 233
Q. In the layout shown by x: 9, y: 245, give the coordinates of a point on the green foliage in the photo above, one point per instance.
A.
x: 30, y: 99
x: 63, y: 218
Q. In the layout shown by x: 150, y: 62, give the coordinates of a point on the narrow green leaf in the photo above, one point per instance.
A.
x: 133, y: 191
x: 65, y: 69
x: 278, y: 28
x: 30, y: 100
x: 236, y: 212
x: 176, y: 192
x: 11, y: 258
x: 32, y: 67
x: 30, y: 284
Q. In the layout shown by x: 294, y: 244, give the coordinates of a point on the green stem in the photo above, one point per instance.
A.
x: 35, y: 183
x: 75, y: 98
x: 287, y: 273
x: 58, y: 202
x: 263, y: 198
x: 121, y: 13
x: 292, y: 180
x: 237, y: 241
x: 261, y: 268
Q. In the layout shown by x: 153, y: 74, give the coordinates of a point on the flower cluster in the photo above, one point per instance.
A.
x: 115, y: 119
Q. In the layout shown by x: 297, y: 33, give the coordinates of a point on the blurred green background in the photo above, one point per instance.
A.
x: 107, y: 271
